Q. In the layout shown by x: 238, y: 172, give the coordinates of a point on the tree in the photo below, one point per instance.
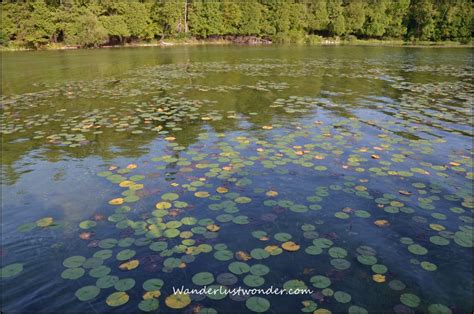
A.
x: 231, y: 16
x: 376, y: 21
x: 397, y: 13
x: 354, y: 14
x: 454, y: 20
x: 169, y: 17
x: 115, y: 26
x: 284, y: 21
x: 205, y: 18
x: 85, y: 30
x: 318, y: 18
x: 298, y: 17
x: 138, y: 20
x: 40, y: 27
x: 422, y: 19
x: 9, y: 28
x: 251, y: 17
x: 337, y: 23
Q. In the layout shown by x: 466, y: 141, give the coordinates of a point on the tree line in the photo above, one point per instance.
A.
x: 88, y: 23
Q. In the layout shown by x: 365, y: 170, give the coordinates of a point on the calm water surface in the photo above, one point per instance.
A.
x: 344, y: 170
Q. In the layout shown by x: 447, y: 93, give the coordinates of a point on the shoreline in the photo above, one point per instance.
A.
x: 259, y: 42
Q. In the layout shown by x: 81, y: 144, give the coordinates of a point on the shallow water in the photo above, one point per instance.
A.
x: 350, y: 163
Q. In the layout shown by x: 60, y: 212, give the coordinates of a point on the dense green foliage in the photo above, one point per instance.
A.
x: 36, y: 23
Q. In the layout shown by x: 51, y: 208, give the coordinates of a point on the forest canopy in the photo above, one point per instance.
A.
x: 89, y: 23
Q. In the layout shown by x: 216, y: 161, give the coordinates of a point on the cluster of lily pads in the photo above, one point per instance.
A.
x: 218, y: 177
x: 228, y: 209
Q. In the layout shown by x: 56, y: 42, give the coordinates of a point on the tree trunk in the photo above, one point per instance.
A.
x: 185, y: 16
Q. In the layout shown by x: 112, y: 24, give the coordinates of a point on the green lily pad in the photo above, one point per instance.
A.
x: 367, y: 259
x: 108, y: 243
x: 87, y: 224
x: 410, y: 300
x: 11, y: 270
x: 26, y: 227
x: 106, y: 282
x: 125, y: 255
x: 320, y: 282
x: 93, y: 262
x: 100, y: 271
x: 417, y: 249
x: 203, y: 279
x: 239, y: 268
x: 223, y: 255
x: 103, y: 254
x: 342, y: 297
x: 169, y: 196
x: 254, y: 281
x: 149, y: 305
x: 294, y: 284
x: 354, y: 309
x: 87, y: 293
x: 259, y: 270
x: 158, y: 246
x: 259, y: 253
x: 428, y: 266
x: 337, y: 252
x: 313, y: 250
x: 217, y: 295
x: 282, y: 237
x: 72, y: 273
x: 124, y: 284
x: 257, y: 304
x: 379, y: 268
x: 74, y: 261
x: 153, y: 284
x: 439, y: 309
x: 242, y: 200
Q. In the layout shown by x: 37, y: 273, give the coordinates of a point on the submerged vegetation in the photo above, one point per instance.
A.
x: 89, y: 23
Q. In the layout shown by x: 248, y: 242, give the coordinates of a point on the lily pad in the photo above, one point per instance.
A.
x: 203, y: 278
x: 73, y: 273
x: 124, y: 284
x: 125, y: 255
x: 117, y: 299
x: 259, y: 270
x: 254, y: 281
x: 106, y: 282
x: 239, y: 268
x: 410, y: 300
x: 177, y: 301
x: 320, y: 282
x: 149, y: 305
x: 153, y: 284
x: 257, y: 304
x: 87, y: 293
x: 11, y: 270
x: 74, y: 261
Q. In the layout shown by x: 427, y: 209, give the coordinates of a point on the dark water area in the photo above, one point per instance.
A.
x: 343, y: 170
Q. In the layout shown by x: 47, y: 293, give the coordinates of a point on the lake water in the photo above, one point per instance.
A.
x: 343, y: 170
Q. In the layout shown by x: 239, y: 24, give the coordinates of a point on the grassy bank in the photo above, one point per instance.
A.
x: 311, y: 41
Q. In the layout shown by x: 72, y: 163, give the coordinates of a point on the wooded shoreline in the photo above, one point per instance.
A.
x: 62, y: 24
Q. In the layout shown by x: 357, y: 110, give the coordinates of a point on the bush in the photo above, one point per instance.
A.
x: 293, y: 36
x: 313, y: 39
x: 350, y: 38
x: 86, y: 31
x: 3, y: 38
